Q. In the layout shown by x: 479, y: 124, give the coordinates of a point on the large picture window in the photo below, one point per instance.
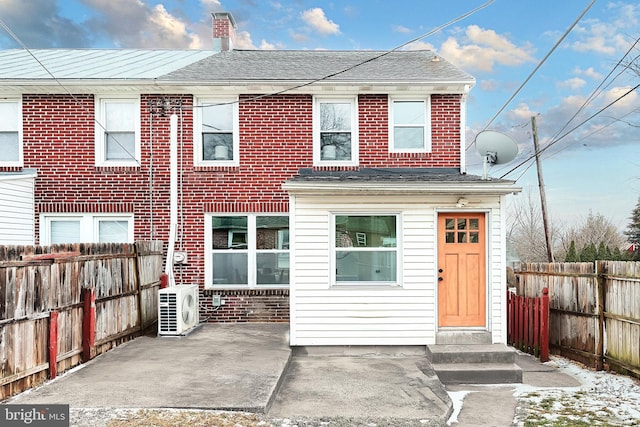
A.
x: 335, y: 132
x: 366, y: 249
x: 118, y: 131
x: 10, y: 133
x: 410, y: 129
x: 216, y: 135
x: 248, y: 250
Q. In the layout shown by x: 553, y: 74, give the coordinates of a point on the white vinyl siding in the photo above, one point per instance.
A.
x: 402, y: 314
x: 17, y: 211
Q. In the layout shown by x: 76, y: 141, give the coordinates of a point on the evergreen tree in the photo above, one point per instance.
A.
x: 633, y: 229
x: 588, y: 253
x: 616, y: 255
x: 601, y: 253
x: 572, y: 253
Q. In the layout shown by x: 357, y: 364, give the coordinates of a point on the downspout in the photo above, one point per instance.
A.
x: 173, y: 196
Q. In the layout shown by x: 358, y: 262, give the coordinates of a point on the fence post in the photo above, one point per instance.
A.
x: 89, y: 323
x: 600, y: 283
x: 544, y: 326
x: 53, y: 344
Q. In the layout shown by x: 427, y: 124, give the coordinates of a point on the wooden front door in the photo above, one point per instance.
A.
x: 462, y: 298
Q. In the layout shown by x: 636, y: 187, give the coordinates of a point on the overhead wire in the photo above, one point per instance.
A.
x: 552, y: 143
x: 560, y: 40
x: 77, y: 101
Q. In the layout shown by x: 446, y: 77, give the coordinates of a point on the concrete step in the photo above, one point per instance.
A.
x: 474, y: 353
x: 478, y: 373
x: 463, y: 337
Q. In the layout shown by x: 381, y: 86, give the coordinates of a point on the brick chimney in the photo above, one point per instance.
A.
x: 224, y: 31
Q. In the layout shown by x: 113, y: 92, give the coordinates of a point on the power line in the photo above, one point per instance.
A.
x: 573, y: 129
x: 77, y: 101
x: 566, y: 33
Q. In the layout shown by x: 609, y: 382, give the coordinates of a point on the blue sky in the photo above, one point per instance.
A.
x: 596, y: 166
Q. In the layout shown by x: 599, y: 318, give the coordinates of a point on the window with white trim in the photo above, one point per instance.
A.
x: 10, y: 132
x: 85, y: 228
x: 216, y: 136
x: 365, y: 249
x: 335, y: 131
x: 410, y: 126
x: 117, y: 131
x: 247, y: 250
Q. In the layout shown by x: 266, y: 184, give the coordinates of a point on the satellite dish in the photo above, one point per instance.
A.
x: 495, y: 148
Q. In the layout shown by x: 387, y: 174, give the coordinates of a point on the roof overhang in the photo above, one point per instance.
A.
x: 485, y: 188
x: 66, y: 86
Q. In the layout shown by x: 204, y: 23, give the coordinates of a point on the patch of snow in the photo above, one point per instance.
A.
x: 457, y: 397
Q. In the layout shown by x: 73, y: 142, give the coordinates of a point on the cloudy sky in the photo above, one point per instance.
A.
x: 583, y: 94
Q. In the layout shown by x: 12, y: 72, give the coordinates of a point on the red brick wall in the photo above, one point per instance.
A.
x: 275, y: 142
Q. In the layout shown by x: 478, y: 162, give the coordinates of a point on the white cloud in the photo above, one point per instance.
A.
x: 480, y: 49
x: 589, y: 72
x: 573, y: 83
x: 264, y: 45
x: 621, y: 98
x: 211, y: 5
x: 169, y: 28
x: 401, y: 29
x: 243, y: 40
x: 609, y: 36
x: 319, y: 22
x: 522, y: 112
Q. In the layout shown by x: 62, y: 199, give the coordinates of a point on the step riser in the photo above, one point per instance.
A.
x: 472, y: 357
x: 487, y: 376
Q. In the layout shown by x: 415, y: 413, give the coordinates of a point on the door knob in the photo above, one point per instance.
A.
x: 440, y: 270
x: 440, y: 279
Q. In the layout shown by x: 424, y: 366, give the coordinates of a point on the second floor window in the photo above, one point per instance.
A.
x: 216, y: 136
x: 118, y: 132
x: 335, y: 132
x: 409, y: 124
x: 10, y: 133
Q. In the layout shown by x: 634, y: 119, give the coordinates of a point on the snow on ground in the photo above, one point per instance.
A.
x: 603, y: 399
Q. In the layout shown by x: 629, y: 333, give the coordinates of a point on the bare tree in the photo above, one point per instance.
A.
x: 525, y: 231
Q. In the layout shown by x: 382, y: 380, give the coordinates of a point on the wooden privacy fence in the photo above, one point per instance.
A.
x: 64, y: 304
x: 594, y: 310
x: 528, y: 323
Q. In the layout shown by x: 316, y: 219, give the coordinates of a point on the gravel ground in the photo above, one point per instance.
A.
x: 112, y: 417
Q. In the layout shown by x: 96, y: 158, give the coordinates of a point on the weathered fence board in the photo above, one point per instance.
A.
x: 595, y: 310
x: 36, y: 281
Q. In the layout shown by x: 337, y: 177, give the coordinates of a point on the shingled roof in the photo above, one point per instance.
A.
x: 242, y: 66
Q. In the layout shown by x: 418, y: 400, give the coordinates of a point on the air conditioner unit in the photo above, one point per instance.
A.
x: 177, y: 309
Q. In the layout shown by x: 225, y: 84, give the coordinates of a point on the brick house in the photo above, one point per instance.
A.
x: 327, y: 189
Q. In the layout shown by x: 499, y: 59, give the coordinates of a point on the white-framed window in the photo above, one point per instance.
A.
x: 335, y: 131
x: 216, y: 135
x: 365, y: 249
x: 11, y: 132
x: 85, y: 228
x: 410, y: 125
x: 247, y: 250
x: 117, y: 131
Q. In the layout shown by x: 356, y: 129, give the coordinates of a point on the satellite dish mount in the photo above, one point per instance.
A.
x: 495, y: 148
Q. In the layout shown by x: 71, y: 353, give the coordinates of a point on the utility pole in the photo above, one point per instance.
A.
x: 543, y: 197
